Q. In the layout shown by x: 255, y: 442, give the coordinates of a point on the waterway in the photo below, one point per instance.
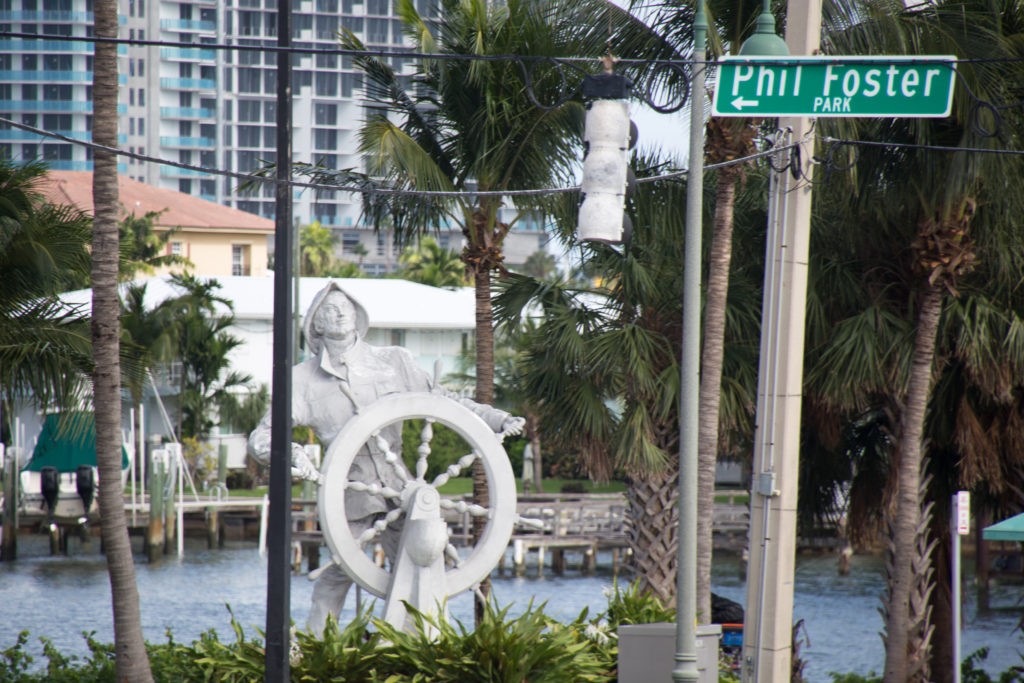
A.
x: 62, y: 597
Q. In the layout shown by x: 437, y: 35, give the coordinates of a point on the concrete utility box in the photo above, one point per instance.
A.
x: 647, y: 653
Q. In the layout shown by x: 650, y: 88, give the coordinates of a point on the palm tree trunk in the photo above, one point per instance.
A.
x: 711, y: 383
x: 484, y: 394
x: 131, y: 661
x: 908, y: 494
x: 652, y: 523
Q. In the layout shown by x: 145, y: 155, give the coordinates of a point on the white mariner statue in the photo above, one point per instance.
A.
x: 363, y: 392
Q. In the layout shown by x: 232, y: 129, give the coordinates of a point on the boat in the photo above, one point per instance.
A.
x: 59, y: 482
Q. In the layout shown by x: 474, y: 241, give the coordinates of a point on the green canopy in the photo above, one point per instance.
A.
x: 67, y: 441
x: 1011, y: 529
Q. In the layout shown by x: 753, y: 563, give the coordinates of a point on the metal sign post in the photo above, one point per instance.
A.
x: 891, y: 86
x: 960, y: 526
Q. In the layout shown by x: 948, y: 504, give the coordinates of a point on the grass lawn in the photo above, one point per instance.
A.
x: 464, y: 485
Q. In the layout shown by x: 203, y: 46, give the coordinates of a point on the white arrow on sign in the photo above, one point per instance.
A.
x: 739, y: 102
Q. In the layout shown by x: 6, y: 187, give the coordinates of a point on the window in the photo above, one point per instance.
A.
x: 327, y: 61
x: 248, y: 111
x: 142, y: 97
x: 249, y: 136
x: 349, y: 242
x: 325, y: 138
x: 326, y: 27
x: 349, y: 82
x: 177, y: 248
x: 249, y: 80
x: 326, y: 114
x: 398, y: 337
x: 327, y: 84
x: 56, y: 62
x: 57, y: 92
x: 57, y: 121
x: 240, y: 259
x: 377, y: 30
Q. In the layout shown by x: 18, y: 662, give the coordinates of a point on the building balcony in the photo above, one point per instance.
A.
x: 188, y: 25
x: 15, y: 134
x: 40, y: 105
x: 192, y: 84
x: 48, y: 76
x: 186, y: 113
x: 47, y: 17
x: 76, y: 46
x: 52, y: 106
x: 187, y: 54
x: 187, y: 143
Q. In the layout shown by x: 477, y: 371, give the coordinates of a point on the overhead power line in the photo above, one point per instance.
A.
x: 362, y: 189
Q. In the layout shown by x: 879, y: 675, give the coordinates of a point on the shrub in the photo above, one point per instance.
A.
x: 531, y: 647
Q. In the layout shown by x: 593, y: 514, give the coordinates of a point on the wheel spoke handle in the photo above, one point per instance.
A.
x: 531, y: 522
x: 473, y: 509
x: 454, y: 470
x: 373, y: 489
x: 390, y: 456
x: 379, y: 526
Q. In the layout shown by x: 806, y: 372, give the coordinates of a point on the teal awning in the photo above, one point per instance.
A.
x: 67, y: 441
x: 1011, y: 529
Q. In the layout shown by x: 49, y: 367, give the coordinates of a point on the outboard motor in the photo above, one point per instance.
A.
x: 86, y: 486
x: 49, y: 487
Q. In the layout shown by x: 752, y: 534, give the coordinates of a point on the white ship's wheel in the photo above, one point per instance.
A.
x: 416, y: 493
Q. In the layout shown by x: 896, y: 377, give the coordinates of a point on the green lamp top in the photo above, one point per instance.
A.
x: 764, y: 42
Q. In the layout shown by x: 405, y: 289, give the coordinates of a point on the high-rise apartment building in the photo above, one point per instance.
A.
x: 210, y: 107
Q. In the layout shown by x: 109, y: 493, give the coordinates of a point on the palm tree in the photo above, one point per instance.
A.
x: 203, y: 346
x: 602, y: 367
x: 430, y: 264
x: 45, y: 349
x: 316, y: 249
x: 129, y: 645
x: 726, y: 139
x: 541, y: 265
x: 933, y: 216
x: 142, y: 249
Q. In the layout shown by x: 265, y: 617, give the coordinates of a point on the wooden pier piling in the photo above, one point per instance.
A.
x: 9, y: 530
x: 155, y: 530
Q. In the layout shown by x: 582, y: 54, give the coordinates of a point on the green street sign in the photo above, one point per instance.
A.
x: 835, y: 86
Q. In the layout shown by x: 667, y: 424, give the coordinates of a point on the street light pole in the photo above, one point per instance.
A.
x: 689, y: 399
x: 279, y: 527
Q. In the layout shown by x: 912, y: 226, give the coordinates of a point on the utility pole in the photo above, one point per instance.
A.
x: 768, y: 628
x: 685, y: 667
x: 279, y: 527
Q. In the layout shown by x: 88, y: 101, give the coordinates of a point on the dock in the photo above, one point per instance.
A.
x: 570, y: 532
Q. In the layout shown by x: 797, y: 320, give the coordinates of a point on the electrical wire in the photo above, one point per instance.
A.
x: 912, y: 145
x: 345, y: 52
x: 362, y: 189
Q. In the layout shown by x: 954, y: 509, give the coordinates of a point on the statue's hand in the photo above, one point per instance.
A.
x: 302, y: 467
x: 512, y: 426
